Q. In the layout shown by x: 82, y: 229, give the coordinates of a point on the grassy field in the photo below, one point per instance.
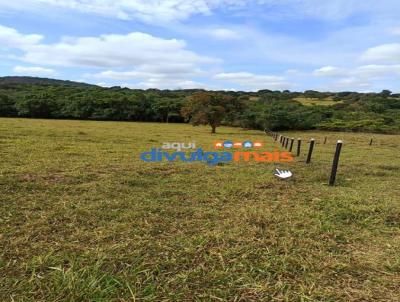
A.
x: 83, y: 219
x: 310, y: 101
x: 315, y: 101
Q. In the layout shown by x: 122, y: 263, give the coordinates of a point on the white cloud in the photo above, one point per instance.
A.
x: 133, y: 49
x: 361, y: 78
x: 34, y: 70
x: 365, y: 78
x: 225, y: 34
x: 152, y: 71
x: 152, y: 77
x: 352, y: 83
x: 11, y: 38
x: 252, y: 81
x: 387, y: 53
x: 102, y: 84
x: 364, y: 71
x: 144, y: 54
x: 169, y: 84
x: 151, y: 61
x: 329, y: 71
x: 373, y: 71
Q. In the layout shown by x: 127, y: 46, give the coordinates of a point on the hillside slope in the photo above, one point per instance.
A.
x: 38, y: 81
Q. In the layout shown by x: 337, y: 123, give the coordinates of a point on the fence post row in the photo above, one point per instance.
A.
x: 310, y: 150
x: 335, y: 162
x: 285, y: 141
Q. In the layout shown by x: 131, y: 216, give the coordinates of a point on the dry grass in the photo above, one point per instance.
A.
x: 83, y: 219
x: 315, y: 101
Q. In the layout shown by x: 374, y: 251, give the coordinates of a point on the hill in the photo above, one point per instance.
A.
x: 39, y: 81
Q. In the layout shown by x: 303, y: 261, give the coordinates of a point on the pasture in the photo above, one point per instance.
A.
x: 83, y: 219
x: 314, y: 101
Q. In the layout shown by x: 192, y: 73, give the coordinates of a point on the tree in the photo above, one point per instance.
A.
x: 165, y: 108
x: 206, y: 108
x: 7, y: 106
x: 385, y: 93
x: 36, y: 106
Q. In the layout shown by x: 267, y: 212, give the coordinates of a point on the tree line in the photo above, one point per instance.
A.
x: 275, y: 110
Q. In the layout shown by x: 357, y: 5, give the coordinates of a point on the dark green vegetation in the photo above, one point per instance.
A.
x: 83, y: 219
x: 344, y: 111
x: 39, y: 81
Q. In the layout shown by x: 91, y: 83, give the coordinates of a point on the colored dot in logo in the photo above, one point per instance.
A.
x: 228, y: 144
x: 248, y: 144
x: 218, y: 145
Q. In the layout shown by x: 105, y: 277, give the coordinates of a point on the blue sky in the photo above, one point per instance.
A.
x: 331, y: 45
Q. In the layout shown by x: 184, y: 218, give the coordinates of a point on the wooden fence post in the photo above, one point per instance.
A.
x: 310, y: 150
x: 291, y: 144
x: 370, y: 142
x: 298, y: 146
x: 335, y: 162
x: 325, y: 140
x: 287, y: 142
